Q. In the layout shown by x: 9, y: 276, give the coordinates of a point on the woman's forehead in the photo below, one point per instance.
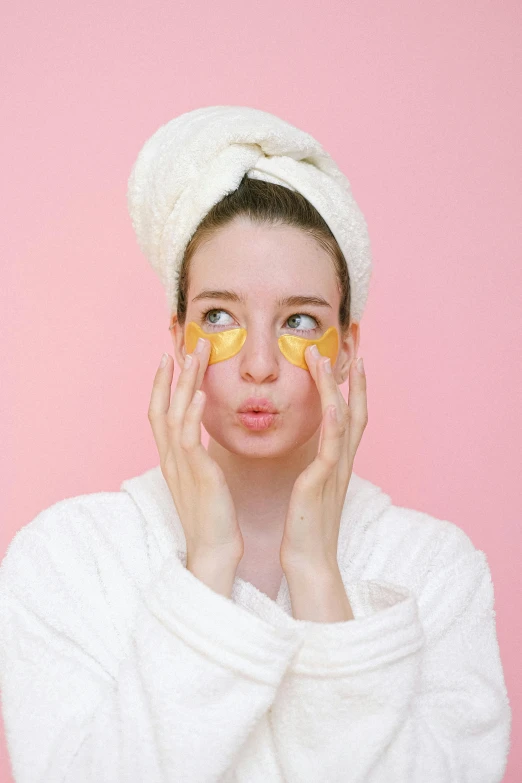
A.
x: 251, y: 242
x: 263, y: 263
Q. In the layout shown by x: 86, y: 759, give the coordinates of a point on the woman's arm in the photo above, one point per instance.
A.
x: 174, y: 700
x: 410, y: 690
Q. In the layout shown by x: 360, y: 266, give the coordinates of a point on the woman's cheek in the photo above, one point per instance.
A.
x: 219, y: 375
x: 308, y: 414
x: 219, y: 385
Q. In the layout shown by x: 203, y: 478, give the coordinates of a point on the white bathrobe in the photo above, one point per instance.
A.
x: 118, y: 665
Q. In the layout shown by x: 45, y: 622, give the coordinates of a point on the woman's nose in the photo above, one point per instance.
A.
x: 259, y: 357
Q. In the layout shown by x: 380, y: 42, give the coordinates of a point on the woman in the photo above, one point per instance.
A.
x: 255, y: 611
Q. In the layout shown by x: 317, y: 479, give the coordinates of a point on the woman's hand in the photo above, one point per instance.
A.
x: 196, y: 482
x: 314, y: 513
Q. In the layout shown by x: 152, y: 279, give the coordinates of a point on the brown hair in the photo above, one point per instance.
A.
x: 266, y: 202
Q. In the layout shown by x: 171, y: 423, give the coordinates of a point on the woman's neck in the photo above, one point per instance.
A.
x: 261, y: 487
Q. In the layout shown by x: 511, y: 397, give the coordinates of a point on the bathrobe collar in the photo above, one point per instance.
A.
x: 165, y: 533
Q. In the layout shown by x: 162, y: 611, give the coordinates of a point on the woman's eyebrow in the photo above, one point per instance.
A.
x: 296, y: 301
x: 287, y: 301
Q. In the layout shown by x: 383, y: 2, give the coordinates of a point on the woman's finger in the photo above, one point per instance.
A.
x: 358, y: 405
x: 344, y: 413
x: 331, y: 394
x: 186, y: 435
x: 202, y: 350
x: 183, y: 393
x: 190, y: 438
x: 189, y: 380
x: 159, y: 405
x: 332, y: 441
x: 321, y: 371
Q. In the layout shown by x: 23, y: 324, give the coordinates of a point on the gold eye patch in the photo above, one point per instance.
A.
x: 223, y: 345
x: 226, y: 344
x: 293, y: 347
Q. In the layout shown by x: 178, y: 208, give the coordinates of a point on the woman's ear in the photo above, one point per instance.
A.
x: 178, y: 340
x: 348, y: 347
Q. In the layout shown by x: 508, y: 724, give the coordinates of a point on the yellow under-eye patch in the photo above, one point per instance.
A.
x: 293, y: 347
x: 223, y: 345
x: 226, y: 344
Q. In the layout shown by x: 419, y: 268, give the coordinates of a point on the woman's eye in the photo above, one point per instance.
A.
x: 213, y: 318
x: 301, y: 322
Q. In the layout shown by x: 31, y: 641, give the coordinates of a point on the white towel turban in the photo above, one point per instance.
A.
x: 193, y: 161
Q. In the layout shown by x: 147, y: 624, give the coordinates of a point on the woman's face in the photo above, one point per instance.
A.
x: 263, y: 265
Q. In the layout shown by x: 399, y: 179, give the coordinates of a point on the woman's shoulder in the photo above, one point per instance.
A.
x: 108, y: 531
x: 81, y: 567
x: 389, y: 541
x: 83, y: 521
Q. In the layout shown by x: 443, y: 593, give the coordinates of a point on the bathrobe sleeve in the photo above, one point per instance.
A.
x: 409, y: 690
x: 175, y: 700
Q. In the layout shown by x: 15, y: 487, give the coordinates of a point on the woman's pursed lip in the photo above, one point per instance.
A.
x: 257, y: 420
x: 257, y: 404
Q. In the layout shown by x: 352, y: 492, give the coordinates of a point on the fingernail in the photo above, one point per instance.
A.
x: 188, y: 360
x: 327, y: 366
x: 314, y: 350
x: 360, y: 366
x: 164, y: 360
x: 199, y: 345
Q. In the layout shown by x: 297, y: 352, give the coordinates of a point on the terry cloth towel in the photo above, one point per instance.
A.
x: 193, y: 161
x: 118, y: 665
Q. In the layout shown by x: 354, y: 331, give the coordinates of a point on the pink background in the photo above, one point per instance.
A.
x: 420, y: 106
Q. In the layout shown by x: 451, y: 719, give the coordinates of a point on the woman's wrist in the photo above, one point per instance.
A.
x: 217, y: 573
x: 318, y: 595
